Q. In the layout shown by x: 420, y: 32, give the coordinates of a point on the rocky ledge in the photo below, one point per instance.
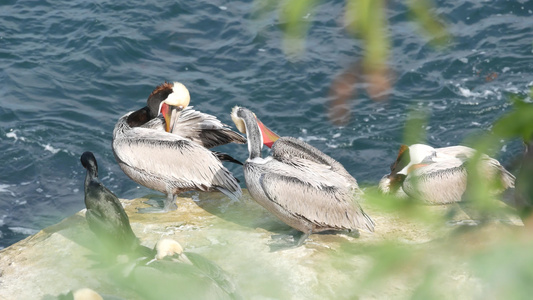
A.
x: 392, y: 262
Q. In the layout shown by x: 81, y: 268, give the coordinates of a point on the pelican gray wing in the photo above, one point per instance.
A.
x: 494, y: 170
x: 460, y: 152
x: 203, y: 129
x: 439, y: 176
x: 437, y: 183
x: 488, y: 165
x: 314, y: 192
x: 446, y: 181
x: 169, y: 163
x: 286, y: 148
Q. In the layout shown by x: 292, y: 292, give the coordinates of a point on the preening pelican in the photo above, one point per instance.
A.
x: 299, y: 184
x: 163, y: 146
x: 439, y: 175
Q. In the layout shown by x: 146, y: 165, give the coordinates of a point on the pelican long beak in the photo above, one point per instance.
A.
x: 165, y: 110
x: 269, y: 137
x: 168, y: 112
x: 401, y: 162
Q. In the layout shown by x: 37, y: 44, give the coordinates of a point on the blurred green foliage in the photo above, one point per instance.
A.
x: 363, y: 19
x: 518, y: 123
x: 414, y: 128
x: 488, y: 261
x: 483, y: 261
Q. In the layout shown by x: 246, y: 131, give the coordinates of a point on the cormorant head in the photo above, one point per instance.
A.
x: 88, y: 161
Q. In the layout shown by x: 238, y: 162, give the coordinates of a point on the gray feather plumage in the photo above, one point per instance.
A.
x: 305, y: 188
x: 167, y: 162
x: 442, y: 178
x: 203, y: 129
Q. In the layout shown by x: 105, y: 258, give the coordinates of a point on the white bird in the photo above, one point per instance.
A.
x: 439, y: 175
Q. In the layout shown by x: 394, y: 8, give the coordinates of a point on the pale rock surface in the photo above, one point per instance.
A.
x: 235, y: 236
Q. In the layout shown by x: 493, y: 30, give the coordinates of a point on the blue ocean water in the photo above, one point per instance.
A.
x: 70, y: 69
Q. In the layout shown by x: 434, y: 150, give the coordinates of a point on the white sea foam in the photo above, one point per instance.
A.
x: 311, y: 138
x: 23, y: 230
x: 332, y: 145
x: 12, y: 134
x: 47, y: 147
x: 4, y: 189
x: 465, y: 92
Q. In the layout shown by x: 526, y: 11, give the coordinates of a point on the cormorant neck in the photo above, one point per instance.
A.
x: 92, y: 170
x: 92, y: 173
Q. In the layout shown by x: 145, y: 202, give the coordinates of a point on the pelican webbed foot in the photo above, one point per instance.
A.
x: 287, y: 241
x: 168, y: 204
x: 153, y: 210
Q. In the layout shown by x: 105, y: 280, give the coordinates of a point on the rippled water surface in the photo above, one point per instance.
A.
x: 70, y: 69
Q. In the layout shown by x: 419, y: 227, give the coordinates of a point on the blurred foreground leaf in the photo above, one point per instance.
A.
x: 517, y: 123
x: 295, y: 15
x: 430, y: 24
x: 414, y: 131
x: 409, y: 209
x: 366, y: 19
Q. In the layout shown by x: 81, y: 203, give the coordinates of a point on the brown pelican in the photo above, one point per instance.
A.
x: 105, y: 216
x: 163, y: 146
x: 303, y: 187
x: 439, y: 175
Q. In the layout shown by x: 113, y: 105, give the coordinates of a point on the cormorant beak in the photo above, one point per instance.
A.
x: 269, y: 137
x: 168, y: 112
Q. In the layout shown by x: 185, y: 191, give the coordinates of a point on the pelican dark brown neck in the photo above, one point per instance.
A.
x: 139, y: 117
x: 159, y: 95
x: 151, y: 110
x: 253, y: 133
